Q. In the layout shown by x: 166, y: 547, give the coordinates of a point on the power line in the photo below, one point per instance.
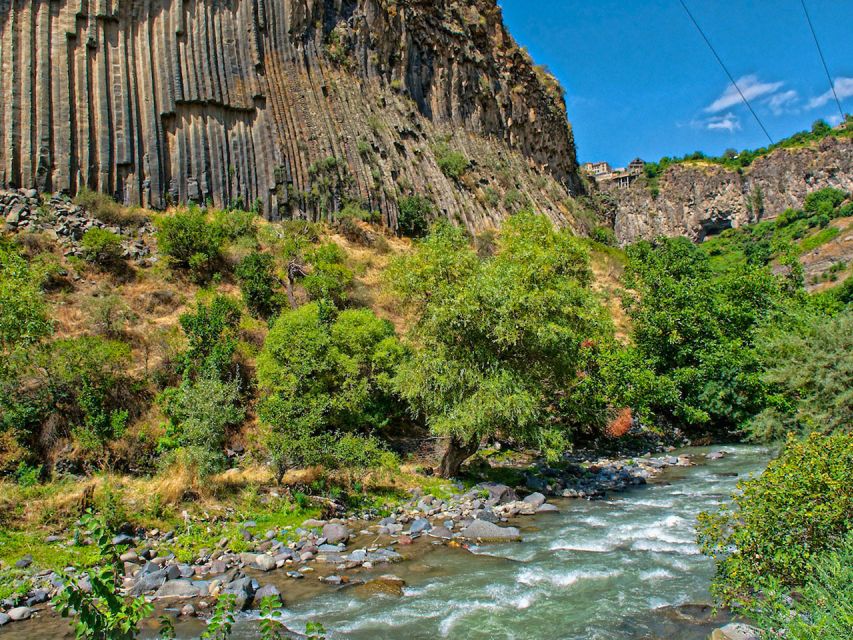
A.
x: 717, y: 56
x: 822, y: 59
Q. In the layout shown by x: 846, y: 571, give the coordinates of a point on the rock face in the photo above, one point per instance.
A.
x: 699, y: 199
x: 297, y: 106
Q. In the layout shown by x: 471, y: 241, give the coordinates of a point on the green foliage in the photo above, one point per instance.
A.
x: 810, y: 370
x: 271, y: 628
x: 499, y: 339
x: 200, y: 412
x: 100, y: 611
x: 28, y: 476
x: 824, y: 200
x: 321, y: 375
x: 234, y: 224
x: 452, y: 163
x: 330, y: 278
x: 23, y: 311
x: 696, y: 329
x: 821, y: 610
x: 782, y: 520
x: 604, y: 235
x: 211, y: 334
x: 414, y: 214
x: 190, y: 240
x: 315, y: 631
x: 101, y: 246
x: 258, y: 284
x: 221, y: 622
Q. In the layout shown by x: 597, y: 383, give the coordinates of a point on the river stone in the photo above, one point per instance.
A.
x: 440, y: 532
x: 270, y: 591
x: 498, y: 493
x: 716, y: 455
x: 265, y: 562
x: 736, y: 631
x: 420, y: 525
x: 312, y: 523
x: 335, y: 533
x: 536, y: 499
x: 24, y: 562
x: 4, y: 619
x: 388, y: 584
x: 20, y: 613
x: 487, y: 531
x: 178, y: 589
x: 243, y: 590
x: 547, y: 508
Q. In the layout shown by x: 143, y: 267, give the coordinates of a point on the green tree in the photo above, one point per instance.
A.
x: 322, y: 374
x: 190, y: 240
x: 258, y: 284
x: 499, y: 340
x: 413, y: 215
x: 782, y: 520
x: 810, y: 371
x: 211, y: 334
x: 329, y: 278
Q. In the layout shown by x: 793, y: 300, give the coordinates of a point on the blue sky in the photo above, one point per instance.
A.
x: 640, y: 81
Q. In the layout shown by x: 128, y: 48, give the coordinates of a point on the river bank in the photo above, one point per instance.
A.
x: 345, y: 560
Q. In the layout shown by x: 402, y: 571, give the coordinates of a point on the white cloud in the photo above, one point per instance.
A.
x: 728, y: 122
x: 843, y: 87
x: 750, y: 86
x: 833, y: 119
x: 783, y: 102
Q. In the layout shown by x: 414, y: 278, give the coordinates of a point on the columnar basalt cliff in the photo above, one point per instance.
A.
x: 698, y: 199
x: 296, y: 105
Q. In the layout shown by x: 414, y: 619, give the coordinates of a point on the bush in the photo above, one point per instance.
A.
x: 604, y: 235
x: 101, y: 247
x: 258, y: 284
x: 452, y: 163
x: 811, y: 373
x: 23, y: 311
x: 211, y: 333
x: 190, y: 240
x: 330, y: 278
x: 320, y: 375
x: 824, y: 201
x: 413, y: 216
x: 199, y: 413
x: 105, y: 209
x: 797, y: 509
x: 234, y: 224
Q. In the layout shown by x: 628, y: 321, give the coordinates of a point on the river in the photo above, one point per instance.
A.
x: 598, y: 570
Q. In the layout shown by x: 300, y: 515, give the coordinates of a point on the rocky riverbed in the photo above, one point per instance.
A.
x: 349, y: 551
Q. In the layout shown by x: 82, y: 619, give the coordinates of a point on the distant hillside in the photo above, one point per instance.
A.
x: 700, y: 198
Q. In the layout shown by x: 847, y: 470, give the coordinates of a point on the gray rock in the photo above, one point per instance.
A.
x: 24, y: 562
x: 487, y: 531
x: 547, y: 508
x: 335, y: 533
x: 269, y: 591
x: 265, y: 562
x: 39, y: 596
x: 536, y: 499
x: 20, y: 613
x: 178, y: 589
x: 441, y: 532
x: 498, y: 493
x: 312, y: 523
x: 4, y: 619
x: 244, y: 591
x: 716, y: 455
x: 122, y: 539
x: 736, y: 631
x: 420, y: 525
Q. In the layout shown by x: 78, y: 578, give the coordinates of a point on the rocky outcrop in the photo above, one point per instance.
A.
x: 699, y: 199
x: 296, y: 106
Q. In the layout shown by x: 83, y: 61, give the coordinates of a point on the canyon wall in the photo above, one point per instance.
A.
x: 293, y: 106
x: 697, y: 199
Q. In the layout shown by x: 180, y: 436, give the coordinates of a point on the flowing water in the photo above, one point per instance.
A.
x: 623, y: 568
x: 602, y: 570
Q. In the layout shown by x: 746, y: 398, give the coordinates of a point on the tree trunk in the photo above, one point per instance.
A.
x: 458, y: 451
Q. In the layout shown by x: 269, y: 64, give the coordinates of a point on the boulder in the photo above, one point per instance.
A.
x: 736, y: 631
x: 498, y: 493
x: 4, y: 619
x: 178, y: 589
x: 420, y: 526
x: 270, y: 591
x: 536, y: 499
x: 265, y: 562
x: 547, y: 508
x: 20, y: 613
x: 335, y: 533
x: 24, y: 562
x: 312, y: 523
x: 244, y: 591
x: 388, y: 585
x: 440, y: 532
x: 489, y: 532
x: 716, y: 455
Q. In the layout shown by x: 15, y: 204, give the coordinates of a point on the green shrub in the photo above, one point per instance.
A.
x: 329, y: 278
x: 452, y: 163
x: 101, y: 246
x: 23, y: 311
x: 190, y: 240
x: 200, y: 413
x: 413, y: 216
x: 810, y: 370
x: 824, y: 201
x: 234, y: 224
x: 105, y: 209
x: 211, y: 334
x: 782, y: 520
x: 604, y: 235
x: 258, y: 284
x: 820, y: 610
